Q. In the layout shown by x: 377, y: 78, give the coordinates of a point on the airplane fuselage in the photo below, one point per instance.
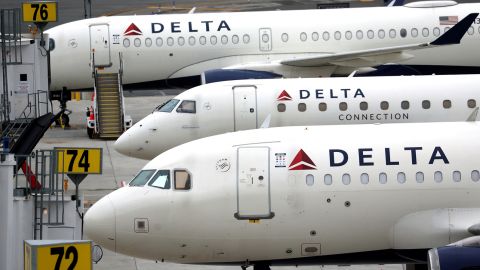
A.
x: 158, y: 47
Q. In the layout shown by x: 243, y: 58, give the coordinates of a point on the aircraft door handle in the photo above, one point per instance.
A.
x: 252, y: 110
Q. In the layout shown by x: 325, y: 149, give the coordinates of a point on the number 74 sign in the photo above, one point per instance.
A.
x: 79, y: 160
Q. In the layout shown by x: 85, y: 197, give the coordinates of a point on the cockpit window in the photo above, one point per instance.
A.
x: 142, y: 178
x: 169, y: 106
x: 161, y: 179
x: 187, y: 106
x: 182, y: 180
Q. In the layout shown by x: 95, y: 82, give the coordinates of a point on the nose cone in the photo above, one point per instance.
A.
x: 135, y: 142
x: 100, y: 222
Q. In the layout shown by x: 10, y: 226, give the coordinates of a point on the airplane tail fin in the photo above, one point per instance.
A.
x: 394, y: 3
x: 456, y: 33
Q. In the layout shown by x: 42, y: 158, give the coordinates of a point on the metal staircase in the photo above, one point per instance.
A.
x: 109, y: 105
x: 109, y: 113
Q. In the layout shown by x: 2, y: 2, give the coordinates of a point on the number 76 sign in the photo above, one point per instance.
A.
x: 79, y: 160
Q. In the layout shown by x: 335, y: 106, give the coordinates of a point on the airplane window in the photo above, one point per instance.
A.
x: 381, y: 34
x: 302, y: 107
x: 246, y: 38
x: 322, y: 106
x: 343, y: 106
x: 419, y: 177
x: 403, y: 32
x: 213, y: 40
x: 191, y: 41
x: 405, y: 105
x: 159, y: 42
x: 401, y: 177
x: 224, y: 39
x: 303, y: 36
x: 310, y: 180
x: 436, y: 31
x: 447, y: 104
x: 457, y: 176
x: 187, y: 106
x: 364, y: 178
x: 235, y: 39
x: 348, y: 35
x: 363, y: 106
x: 327, y: 179
x: 148, y: 42
x: 182, y: 180
x: 471, y: 30
x: 337, y: 35
x: 137, y: 42
x: 181, y: 41
x: 414, y: 32
x: 326, y: 35
x: 475, y: 176
x: 426, y: 104
x: 392, y: 33
x: 265, y: 38
x: 202, y: 40
x: 281, y: 107
x: 472, y: 103
x: 141, y: 178
x: 384, y: 105
x: 170, y: 41
x: 346, y: 179
x: 425, y: 32
x: 359, y: 34
x: 126, y: 42
x: 315, y: 36
x: 446, y: 29
x: 382, y: 178
x: 370, y: 34
x: 168, y: 107
x: 284, y: 37
x: 438, y: 177
x: 161, y: 179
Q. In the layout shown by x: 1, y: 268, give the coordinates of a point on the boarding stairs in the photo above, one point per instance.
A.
x: 109, y: 114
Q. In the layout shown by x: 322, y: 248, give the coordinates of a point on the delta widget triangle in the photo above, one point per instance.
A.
x: 133, y: 30
x: 302, y: 162
x: 284, y: 96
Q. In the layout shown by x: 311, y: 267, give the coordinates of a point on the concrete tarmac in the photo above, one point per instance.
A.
x: 118, y: 168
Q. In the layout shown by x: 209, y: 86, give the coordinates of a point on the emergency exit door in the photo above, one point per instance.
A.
x: 265, y: 36
x: 253, y: 183
x: 100, y: 45
x: 245, y: 107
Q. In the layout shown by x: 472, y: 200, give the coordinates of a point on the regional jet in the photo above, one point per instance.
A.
x: 248, y: 104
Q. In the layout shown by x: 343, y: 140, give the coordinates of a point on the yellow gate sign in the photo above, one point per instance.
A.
x: 39, y: 11
x: 73, y: 160
x: 58, y: 255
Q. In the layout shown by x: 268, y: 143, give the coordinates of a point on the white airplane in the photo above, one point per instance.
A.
x: 248, y: 104
x: 306, y: 43
x: 336, y: 194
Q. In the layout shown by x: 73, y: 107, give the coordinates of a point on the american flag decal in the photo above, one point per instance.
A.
x: 448, y: 20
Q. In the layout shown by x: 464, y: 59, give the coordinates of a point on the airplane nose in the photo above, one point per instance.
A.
x: 100, y: 222
x: 124, y: 144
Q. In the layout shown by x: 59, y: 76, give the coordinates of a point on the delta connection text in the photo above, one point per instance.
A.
x: 350, y: 93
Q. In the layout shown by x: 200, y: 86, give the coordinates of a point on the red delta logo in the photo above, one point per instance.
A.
x: 284, y: 96
x: 132, y: 30
x: 302, y: 162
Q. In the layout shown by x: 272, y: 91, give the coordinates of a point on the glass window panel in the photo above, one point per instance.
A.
x: 327, y: 179
x: 438, y: 176
x: 346, y: 179
x: 419, y: 177
x: 382, y: 178
x: 182, y: 180
x: 161, y: 179
x: 364, y: 178
x: 457, y: 176
x: 310, y: 180
x: 142, y: 178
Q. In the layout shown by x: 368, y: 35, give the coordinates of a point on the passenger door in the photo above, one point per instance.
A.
x: 253, y: 183
x: 245, y: 107
x: 100, y: 45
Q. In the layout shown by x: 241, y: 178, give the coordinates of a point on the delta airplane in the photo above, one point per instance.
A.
x: 305, y: 43
x: 335, y: 194
x: 248, y: 104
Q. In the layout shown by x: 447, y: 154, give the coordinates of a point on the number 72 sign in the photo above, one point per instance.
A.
x: 79, y: 160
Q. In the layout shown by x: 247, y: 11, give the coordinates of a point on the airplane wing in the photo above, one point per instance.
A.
x: 377, y: 56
